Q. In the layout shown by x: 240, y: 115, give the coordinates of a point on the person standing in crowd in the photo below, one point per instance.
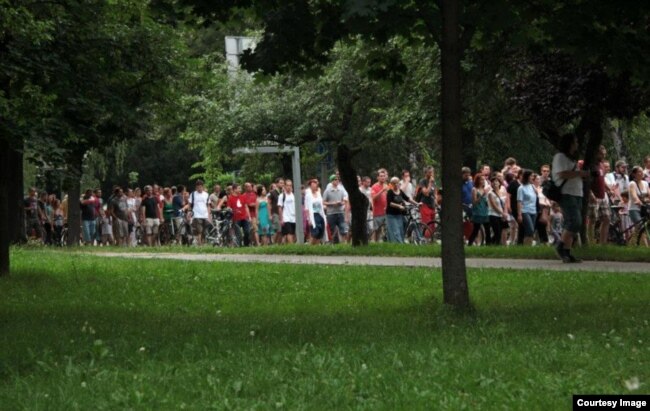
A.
x: 396, y: 200
x: 88, y: 217
x: 33, y: 214
x: 45, y: 211
x: 426, y: 196
x: 619, y: 180
x: 276, y: 226
x: 599, y: 200
x: 367, y: 191
x: 150, y: 215
x: 107, y: 227
x: 378, y: 192
x: 480, y: 217
x: 406, y: 185
x: 467, y: 189
x: 178, y: 204
x: 263, y: 212
x: 544, y: 173
x: 510, y: 167
x: 241, y: 212
x: 527, y: 206
x: 335, y: 202
x: 315, y: 207
x: 216, y: 195
x: 58, y: 221
x: 287, y: 208
x: 496, y: 212
x: 516, y: 231
x: 118, y: 210
x: 250, y: 199
x: 543, y: 211
x: 99, y: 204
x: 565, y: 169
x: 638, y: 194
x: 646, y: 170
x: 198, y: 202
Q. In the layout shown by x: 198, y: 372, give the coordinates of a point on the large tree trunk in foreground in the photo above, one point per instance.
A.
x: 15, y: 181
x: 358, y: 201
x: 454, y: 276
x: 5, y: 152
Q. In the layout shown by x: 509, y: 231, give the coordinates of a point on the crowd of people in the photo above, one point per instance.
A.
x: 502, y: 207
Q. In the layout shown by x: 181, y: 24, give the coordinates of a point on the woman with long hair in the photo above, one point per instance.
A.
x: 480, y: 215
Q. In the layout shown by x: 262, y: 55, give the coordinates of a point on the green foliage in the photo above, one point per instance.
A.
x: 160, y: 334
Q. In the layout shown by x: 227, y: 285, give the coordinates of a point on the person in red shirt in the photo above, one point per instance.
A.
x: 378, y: 195
x: 598, y: 199
x: 241, y: 212
x: 250, y: 198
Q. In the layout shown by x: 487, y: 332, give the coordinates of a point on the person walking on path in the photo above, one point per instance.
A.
x: 565, y: 171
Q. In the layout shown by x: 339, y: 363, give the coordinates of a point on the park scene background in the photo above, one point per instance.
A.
x: 127, y: 92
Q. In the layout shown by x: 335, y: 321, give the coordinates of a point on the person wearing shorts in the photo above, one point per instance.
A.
x: 276, y: 226
x: 335, y: 201
x: 199, y: 203
x: 118, y: 209
x: 378, y: 192
x: 565, y: 168
x: 287, y: 206
x: 150, y: 215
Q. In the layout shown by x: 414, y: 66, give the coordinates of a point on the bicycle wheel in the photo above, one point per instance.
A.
x: 212, y: 236
x: 644, y: 231
x: 419, y: 234
x: 164, y: 236
x: 138, y: 235
x: 64, y: 237
x: 233, y: 236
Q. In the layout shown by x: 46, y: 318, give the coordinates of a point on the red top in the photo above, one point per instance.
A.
x: 238, y: 205
x: 250, y: 198
x: 379, y: 203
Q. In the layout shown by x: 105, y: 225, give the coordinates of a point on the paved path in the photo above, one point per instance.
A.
x: 514, y: 264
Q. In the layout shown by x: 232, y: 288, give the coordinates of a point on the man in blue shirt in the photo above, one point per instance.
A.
x: 466, y: 196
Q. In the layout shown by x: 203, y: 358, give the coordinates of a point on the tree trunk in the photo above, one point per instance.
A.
x: 469, y: 158
x: 74, y: 205
x: 358, y: 201
x: 618, y: 138
x: 5, y: 153
x: 15, y: 183
x: 593, y: 124
x: 454, y: 276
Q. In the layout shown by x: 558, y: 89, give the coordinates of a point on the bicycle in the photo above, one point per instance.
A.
x: 622, y: 236
x: 416, y: 231
x: 223, y: 232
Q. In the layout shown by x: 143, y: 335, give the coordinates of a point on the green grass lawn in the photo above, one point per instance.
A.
x: 603, y: 253
x: 83, y: 332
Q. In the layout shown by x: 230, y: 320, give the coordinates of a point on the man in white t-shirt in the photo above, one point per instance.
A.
x: 287, y: 206
x: 198, y: 201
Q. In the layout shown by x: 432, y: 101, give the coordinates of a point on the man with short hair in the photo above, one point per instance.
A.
x: 287, y: 207
x: 545, y: 172
x: 150, y: 215
x: 335, y: 201
x: 198, y: 202
x: 33, y: 214
x: 118, y: 208
x: 379, y: 202
x: 241, y: 212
